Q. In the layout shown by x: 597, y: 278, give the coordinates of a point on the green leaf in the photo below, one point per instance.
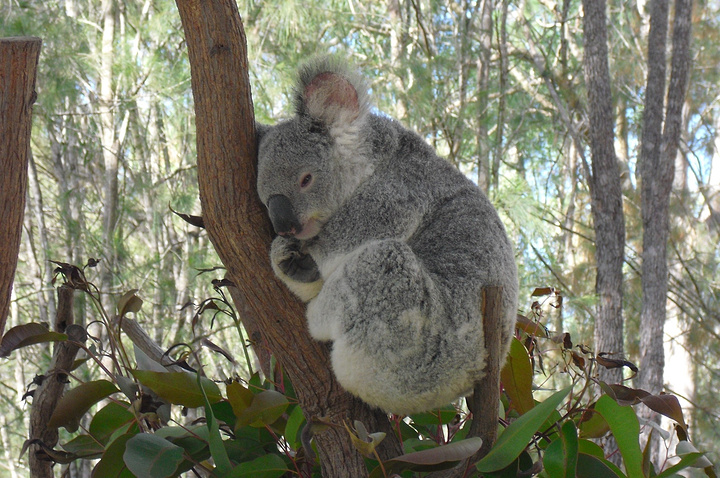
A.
x: 239, y: 397
x: 151, y: 456
x: 84, y: 446
x: 560, y: 459
x: 293, y: 427
x: 686, y: 461
x: 223, y: 411
x: 28, y: 334
x: 265, y: 409
x: 111, y: 465
x: 593, y: 425
x: 588, y: 447
x: 519, y: 433
x: 217, y: 447
x: 267, y: 466
x: 193, y: 439
x: 180, y: 388
x: 440, y: 416
x: 109, y: 419
x: 626, y: 429
x: 438, y: 458
x: 363, y: 441
x: 517, y: 376
x: 73, y: 405
x: 589, y: 466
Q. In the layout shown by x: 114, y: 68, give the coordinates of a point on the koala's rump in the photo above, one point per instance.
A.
x: 421, y: 345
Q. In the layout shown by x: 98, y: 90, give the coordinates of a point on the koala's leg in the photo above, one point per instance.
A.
x: 381, y: 307
x: 295, y: 268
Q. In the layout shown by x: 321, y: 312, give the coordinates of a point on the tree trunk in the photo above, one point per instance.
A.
x: 657, y: 168
x: 48, y: 393
x: 18, y: 66
x: 240, y: 230
x: 499, y: 135
x: 110, y: 152
x: 46, y: 298
x: 605, y: 189
x: 485, y: 32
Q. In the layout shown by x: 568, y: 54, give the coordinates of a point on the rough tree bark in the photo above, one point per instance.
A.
x: 18, y: 66
x: 48, y: 393
x: 659, y: 145
x: 240, y: 231
x: 605, y: 188
x: 110, y: 152
x: 657, y: 167
x: 485, y: 32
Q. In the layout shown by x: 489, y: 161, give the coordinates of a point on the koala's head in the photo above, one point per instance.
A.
x: 308, y: 165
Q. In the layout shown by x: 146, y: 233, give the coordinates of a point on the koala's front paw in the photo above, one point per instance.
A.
x: 288, y: 258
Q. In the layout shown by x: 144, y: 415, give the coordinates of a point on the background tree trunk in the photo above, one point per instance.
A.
x: 605, y: 189
x: 18, y: 66
x: 657, y: 168
x: 110, y: 152
x: 485, y: 32
x: 240, y: 231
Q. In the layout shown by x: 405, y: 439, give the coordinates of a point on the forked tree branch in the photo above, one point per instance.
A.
x: 240, y: 231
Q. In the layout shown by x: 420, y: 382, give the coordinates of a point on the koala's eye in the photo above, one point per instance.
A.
x: 306, y: 180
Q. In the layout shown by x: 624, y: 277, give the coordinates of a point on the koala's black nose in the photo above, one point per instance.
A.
x: 282, y: 215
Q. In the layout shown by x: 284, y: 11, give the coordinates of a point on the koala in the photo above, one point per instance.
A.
x: 387, y: 243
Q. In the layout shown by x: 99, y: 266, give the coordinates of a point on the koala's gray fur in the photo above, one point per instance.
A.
x: 388, y: 244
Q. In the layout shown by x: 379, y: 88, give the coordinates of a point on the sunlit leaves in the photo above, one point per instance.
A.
x: 178, y: 387
x: 517, y: 376
x: 517, y: 435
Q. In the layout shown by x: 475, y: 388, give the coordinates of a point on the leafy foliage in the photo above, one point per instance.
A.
x: 424, y: 60
x: 254, y: 427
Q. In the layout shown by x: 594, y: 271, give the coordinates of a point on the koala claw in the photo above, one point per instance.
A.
x: 296, y: 265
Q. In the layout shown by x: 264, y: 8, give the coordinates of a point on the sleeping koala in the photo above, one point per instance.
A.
x: 388, y: 244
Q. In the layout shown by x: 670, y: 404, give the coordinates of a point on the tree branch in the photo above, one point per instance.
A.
x: 240, y: 231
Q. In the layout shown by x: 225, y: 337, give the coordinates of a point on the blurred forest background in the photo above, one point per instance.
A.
x: 497, y: 86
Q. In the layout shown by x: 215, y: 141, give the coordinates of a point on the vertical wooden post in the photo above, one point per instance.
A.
x: 484, y: 402
x: 18, y: 66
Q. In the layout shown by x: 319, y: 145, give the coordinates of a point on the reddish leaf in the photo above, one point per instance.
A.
x: 626, y: 395
x: 577, y: 359
x: 614, y: 363
x: 28, y: 334
x: 196, y: 221
x: 542, y: 291
x: 564, y: 339
x: 667, y: 405
x: 129, y: 302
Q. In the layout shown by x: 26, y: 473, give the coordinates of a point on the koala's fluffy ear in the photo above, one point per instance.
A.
x: 331, y: 93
